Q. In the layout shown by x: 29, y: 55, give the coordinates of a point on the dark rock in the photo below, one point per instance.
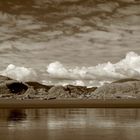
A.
x: 40, y: 90
x: 121, y: 89
x: 33, y: 90
x: 13, y: 89
x: 69, y: 91
x: 17, y: 87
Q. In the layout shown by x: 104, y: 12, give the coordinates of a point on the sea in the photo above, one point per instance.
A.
x: 78, y: 42
x: 69, y: 124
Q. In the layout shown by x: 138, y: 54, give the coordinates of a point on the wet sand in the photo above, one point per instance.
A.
x: 74, y: 103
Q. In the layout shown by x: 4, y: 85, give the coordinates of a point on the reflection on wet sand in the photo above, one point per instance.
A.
x: 16, y: 115
x: 70, y: 123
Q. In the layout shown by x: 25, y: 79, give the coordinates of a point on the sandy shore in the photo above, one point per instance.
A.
x: 124, y: 93
x: 90, y: 103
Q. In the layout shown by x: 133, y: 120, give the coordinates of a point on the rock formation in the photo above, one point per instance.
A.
x: 121, y: 89
x: 13, y: 89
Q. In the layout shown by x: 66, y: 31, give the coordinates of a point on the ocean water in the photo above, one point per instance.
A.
x: 62, y: 124
x: 76, y: 42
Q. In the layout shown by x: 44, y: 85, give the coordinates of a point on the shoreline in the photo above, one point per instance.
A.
x: 69, y: 103
x: 124, y: 93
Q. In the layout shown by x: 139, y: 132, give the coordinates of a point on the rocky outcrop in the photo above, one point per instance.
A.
x: 33, y: 90
x: 58, y: 92
x: 121, y: 89
x: 79, y: 91
x: 69, y: 91
x: 13, y: 89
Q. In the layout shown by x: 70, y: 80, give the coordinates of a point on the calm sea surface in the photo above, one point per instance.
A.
x: 70, y: 124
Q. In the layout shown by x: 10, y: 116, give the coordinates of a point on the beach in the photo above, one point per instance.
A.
x: 90, y: 103
x: 69, y: 69
x: 123, y: 93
